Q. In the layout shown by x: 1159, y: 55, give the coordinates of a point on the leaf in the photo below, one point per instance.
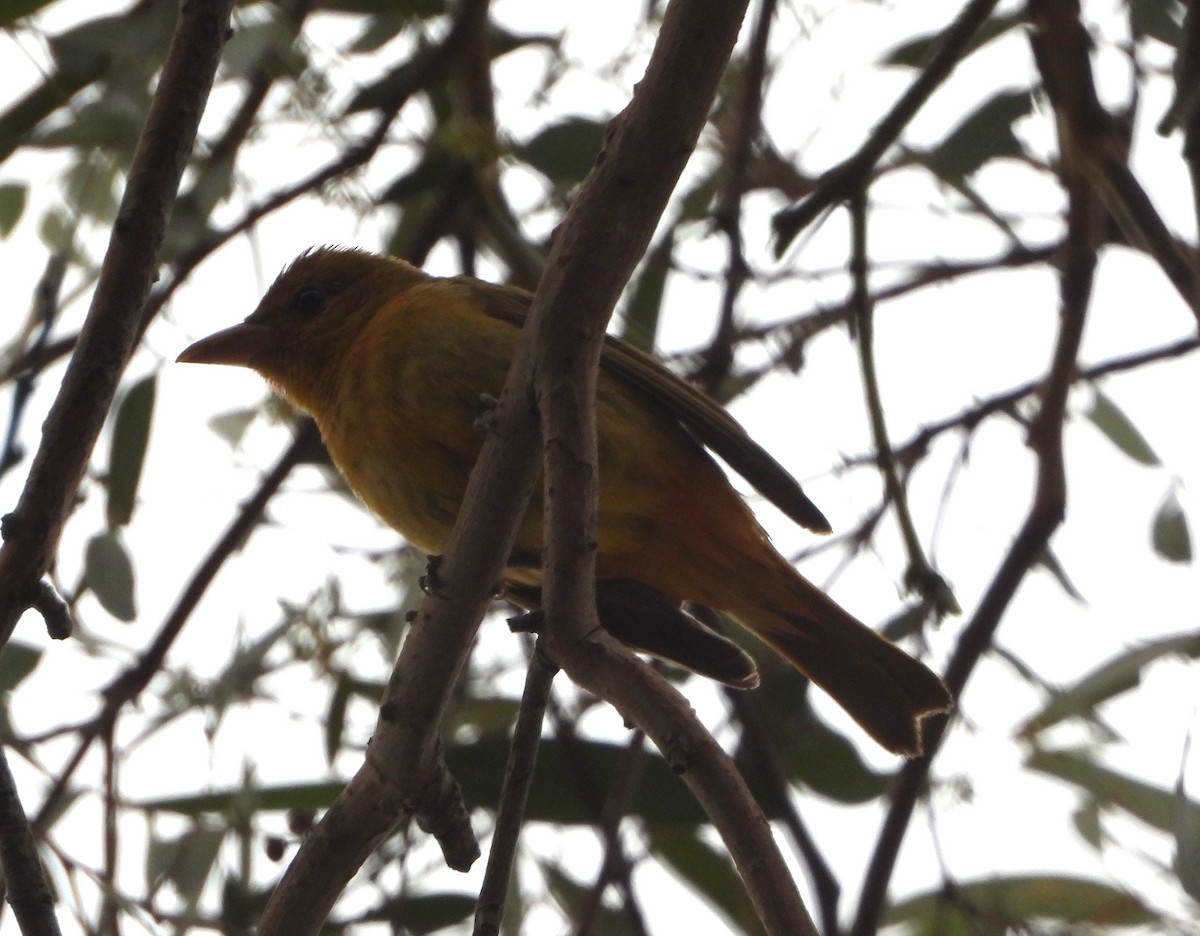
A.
x: 908, y: 621
x: 233, y: 425
x: 1110, y: 420
x: 809, y: 751
x: 571, y: 897
x: 566, y: 151
x: 1169, y: 532
x: 428, y: 913
x: 1157, y: 18
x: 16, y: 662
x: 1049, y: 561
x: 571, y: 781
x: 1155, y: 806
x: 422, y: 8
x: 1086, y: 820
x: 708, y: 872
x: 269, y: 45
x: 108, y: 572
x: 127, y: 455
x: 915, y: 52
x: 57, y: 231
x: 984, y: 135
x: 18, y: 121
x: 1186, y: 861
x: 300, y: 796
x: 335, y: 720
x: 13, y: 10
x: 1117, y: 676
x: 12, y: 206
x: 1001, y: 905
x: 185, y: 861
x: 90, y: 188
x: 639, y: 319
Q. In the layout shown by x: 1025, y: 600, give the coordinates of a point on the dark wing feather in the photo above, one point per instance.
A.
x: 708, y: 422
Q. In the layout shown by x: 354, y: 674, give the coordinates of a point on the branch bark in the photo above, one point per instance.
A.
x: 110, y: 333
x: 596, y: 248
x: 1085, y: 231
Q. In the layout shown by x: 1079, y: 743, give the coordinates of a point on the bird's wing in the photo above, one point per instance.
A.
x: 716, y: 429
x: 699, y: 414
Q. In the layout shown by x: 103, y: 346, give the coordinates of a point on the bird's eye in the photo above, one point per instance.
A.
x: 308, y: 301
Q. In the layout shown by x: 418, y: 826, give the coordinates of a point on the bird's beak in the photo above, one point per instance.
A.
x: 240, y: 345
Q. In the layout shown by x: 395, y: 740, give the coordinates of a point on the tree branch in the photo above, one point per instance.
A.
x: 1084, y: 235
x: 110, y: 333
x: 510, y: 811
x: 848, y: 177
x: 599, y: 242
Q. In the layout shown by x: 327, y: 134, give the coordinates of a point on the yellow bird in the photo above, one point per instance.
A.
x: 393, y: 364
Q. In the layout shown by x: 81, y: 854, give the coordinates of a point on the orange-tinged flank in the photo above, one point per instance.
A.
x: 393, y: 365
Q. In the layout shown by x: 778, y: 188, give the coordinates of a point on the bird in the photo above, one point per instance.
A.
x: 394, y: 364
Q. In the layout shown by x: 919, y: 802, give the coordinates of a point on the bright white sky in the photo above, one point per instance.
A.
x: 937, y: 352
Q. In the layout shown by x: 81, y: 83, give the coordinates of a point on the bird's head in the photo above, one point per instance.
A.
x: 308, y: 321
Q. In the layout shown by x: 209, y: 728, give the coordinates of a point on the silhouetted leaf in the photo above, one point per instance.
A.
x: 1049, y: 561
x: 17, y: 661
x: 335, y: 720
x: 1001, y: 904
x: 1157, y: 18
x: 571, y: 780
x: 571, y: 896
x: 268, y: 45
x: 1117, y: 676
x: 639, y: 318
x: 13, y: 10
x: 426, y: 913
x: 1152, y: 805
x: 708, y: 872
x: 127, y: 454
x: 12, y: 206
x: 108, y: 572
x: 566, y: 151
x: 232, y: 426
x: 985, y: 134
x: 304, y: 796
x: 1170, y: 534
x: 1110, y: 420
x: 809, y: 751
x: 1186, y: 861
x: 185, y: 861
x: 915, y: 52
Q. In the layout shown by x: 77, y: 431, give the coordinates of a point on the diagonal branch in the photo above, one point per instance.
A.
x: 1084, y: 234
x: 110, y: 333
x: 596, y: 247
x: 1092, y: 145
x: 846, y: 178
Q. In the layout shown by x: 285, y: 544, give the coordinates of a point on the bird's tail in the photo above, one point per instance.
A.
x: 887, y: 692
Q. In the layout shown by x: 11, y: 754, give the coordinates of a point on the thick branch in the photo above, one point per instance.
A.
x: 601, y: 239
x: 624, y: 196
x: 31, y: 532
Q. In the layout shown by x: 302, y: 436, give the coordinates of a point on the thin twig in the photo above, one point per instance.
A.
x: 616, y: 866
x: 1093, y: 144
x: 1085, y: 231
x: 920, y: 575
x: 128, y: 685
x: 719, y: 355
x: 510, y: 811
x: 843, y: 180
